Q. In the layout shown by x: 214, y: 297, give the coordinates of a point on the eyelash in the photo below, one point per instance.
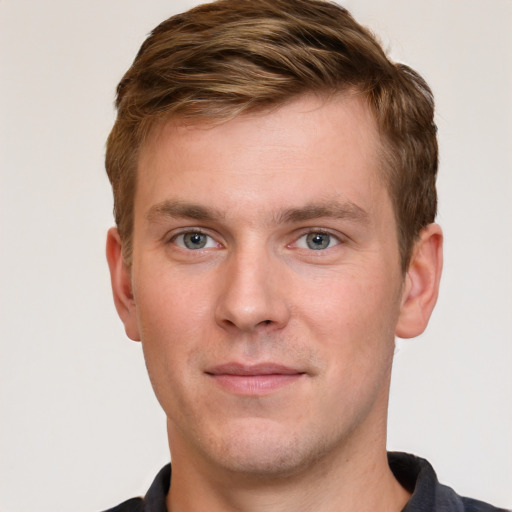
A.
x: 294, y: 245
x: 191, y: 231
x: 318, y: 231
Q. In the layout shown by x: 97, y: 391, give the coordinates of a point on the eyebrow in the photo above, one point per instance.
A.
x: 346, y: 210
x: 182, y: 210
x: 332, y: 209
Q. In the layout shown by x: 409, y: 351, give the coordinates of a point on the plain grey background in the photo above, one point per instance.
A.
x: 79, y: 426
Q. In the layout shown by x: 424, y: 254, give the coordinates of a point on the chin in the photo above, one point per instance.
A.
x: 266, y: 452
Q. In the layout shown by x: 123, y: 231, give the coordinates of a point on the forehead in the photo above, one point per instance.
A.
x: 310, y: 147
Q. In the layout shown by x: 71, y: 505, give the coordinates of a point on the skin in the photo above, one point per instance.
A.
x: 266, y: 289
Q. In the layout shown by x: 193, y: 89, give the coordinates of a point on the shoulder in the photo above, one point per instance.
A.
x: 154, y: 500
x: 427, y: 494
x: 472, y: 505
x: 132, y: 505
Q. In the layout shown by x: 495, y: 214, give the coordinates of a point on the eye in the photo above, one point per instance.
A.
x: 317, y: 241
x: 194, y: 240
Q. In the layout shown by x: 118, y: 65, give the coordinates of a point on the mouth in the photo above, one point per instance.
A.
x: 254, y: 380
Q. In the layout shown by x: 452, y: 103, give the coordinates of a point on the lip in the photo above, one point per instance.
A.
x: 254, y: 380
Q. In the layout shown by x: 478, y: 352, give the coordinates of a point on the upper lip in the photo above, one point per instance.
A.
x: 252, y: 369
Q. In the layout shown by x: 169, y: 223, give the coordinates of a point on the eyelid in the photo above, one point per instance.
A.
x: 338, y: 237
x: 170, y: 238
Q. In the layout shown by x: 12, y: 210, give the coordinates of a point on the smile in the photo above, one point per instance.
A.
x: 253, y: 380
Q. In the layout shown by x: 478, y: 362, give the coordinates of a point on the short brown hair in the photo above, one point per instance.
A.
x: 230, y: 57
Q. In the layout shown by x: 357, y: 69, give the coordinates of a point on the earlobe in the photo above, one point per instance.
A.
x: 421, y: 285
x: 121, y: 285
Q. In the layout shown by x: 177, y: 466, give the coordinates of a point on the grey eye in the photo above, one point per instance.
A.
x: 318, y: 241
x: 195, y: 240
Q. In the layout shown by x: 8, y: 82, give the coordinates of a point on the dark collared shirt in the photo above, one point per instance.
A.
x: 415, y: 474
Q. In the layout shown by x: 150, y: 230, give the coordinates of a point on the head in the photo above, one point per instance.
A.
x: 233, y: 57
x: 274, y: 176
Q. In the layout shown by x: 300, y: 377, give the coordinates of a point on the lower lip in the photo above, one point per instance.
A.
x: 255, y: 385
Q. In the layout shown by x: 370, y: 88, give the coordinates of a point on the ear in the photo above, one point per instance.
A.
x: 421, y: 285
x: 121, y: 280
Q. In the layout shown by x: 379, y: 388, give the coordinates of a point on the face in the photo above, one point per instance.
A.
x: 266, y: 285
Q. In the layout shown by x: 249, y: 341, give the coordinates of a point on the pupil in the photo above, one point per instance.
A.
x: 317, y: 241
x: 195, y: 240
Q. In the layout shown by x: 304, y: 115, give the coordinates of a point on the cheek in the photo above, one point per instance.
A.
x: 170, y: 304
x: 357, y: 338
x: 353, y: 318
x: 351, y: 298
x: 173, y: 316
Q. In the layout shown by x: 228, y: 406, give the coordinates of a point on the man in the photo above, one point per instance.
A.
x: 274, y: 184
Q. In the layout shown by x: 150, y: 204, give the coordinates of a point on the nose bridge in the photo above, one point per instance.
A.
x: 251, y: 295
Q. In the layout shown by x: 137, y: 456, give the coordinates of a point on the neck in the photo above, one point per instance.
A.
x: 368, y: 490
x: 354, y: 477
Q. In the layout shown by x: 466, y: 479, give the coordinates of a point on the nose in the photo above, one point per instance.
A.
x: 252, y: 293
